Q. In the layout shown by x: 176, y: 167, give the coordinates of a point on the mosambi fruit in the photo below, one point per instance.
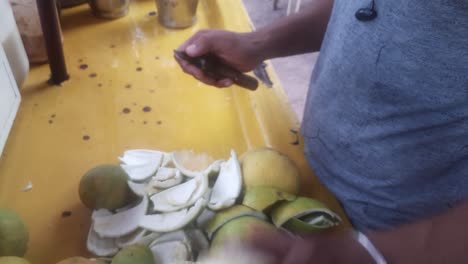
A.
x: 105, y: 187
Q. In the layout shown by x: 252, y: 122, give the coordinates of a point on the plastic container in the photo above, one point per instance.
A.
x: 10, y: 40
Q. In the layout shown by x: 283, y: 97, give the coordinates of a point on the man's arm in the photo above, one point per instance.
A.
x: 299, y: 33
x: 440, y: 239
x: 435, y: 240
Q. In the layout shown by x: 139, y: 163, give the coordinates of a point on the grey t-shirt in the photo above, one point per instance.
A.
x: 386, y: 119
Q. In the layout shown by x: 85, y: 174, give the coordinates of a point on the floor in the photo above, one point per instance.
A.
x: 294, y: 72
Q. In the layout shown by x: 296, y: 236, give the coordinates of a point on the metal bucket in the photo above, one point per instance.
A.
x: 177, y: 13
x: 109, y: 8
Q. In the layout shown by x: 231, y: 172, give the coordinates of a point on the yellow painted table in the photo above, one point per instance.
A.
x: 126, y: 91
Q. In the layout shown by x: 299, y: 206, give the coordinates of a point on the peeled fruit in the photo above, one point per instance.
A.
x: 80, y: 260
x: 13, y: 234
x: 13, y: 260
x: 240, y: 229
x: 304, y: 215
x: 261, y: 198
x: 106, y: 187
x: 268, y: 167
x: 134, y: 254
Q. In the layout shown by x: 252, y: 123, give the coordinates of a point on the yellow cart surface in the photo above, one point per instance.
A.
x: 126, y: 91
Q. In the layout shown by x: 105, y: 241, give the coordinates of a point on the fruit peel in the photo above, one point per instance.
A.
x: 168, y: 183
x: 192, y: 164
x: 240, y: 230
x: 123, y: 223
x: 141, y: 164
x: 180, y: 196
x: 226, y: 215
x: 102, y: 247
x: 130, y: 239
x: 171, y: 252
x: 80, y: 260
x: 167, y: 222
x: 228, y: 185
x: 299, y: 208
x: 261, y: 198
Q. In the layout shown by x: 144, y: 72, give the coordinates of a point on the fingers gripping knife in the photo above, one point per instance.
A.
x: 215, y: 68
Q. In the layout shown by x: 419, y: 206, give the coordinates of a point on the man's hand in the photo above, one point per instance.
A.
x: 242, y: 51
x: 295, y: 34
x: 314, y: 249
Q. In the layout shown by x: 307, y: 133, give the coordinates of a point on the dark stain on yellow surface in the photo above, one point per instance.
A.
x: 66, y: 214
x: 128, y: 86
x: 86, y: 137
x: 152, y: 13
x: 83, y: 66
x: 92, y: 75
x: 146, y: 109
x: 159, y: 122
x: 139, y: 69
x: 126, y: 110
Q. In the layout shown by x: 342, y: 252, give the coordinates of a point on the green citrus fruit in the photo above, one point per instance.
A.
x: 269, y: 168
x: 134, y: 254
x: 13, y: 260
x: 13, y: 234
x: 106, y: 187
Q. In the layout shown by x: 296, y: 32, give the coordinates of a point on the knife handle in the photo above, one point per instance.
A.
x: 239, y: 78
x: 246, y: 81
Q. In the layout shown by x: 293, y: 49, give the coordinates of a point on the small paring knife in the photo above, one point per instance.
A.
x: 212, y: 66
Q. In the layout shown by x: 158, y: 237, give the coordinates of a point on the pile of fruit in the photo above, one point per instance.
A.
x: 159, y: 207
x: 182, y: 207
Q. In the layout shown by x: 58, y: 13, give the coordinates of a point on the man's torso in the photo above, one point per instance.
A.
x: 386, y: 121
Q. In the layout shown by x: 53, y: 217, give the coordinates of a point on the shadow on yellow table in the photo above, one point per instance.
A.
x: 126, y: 91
